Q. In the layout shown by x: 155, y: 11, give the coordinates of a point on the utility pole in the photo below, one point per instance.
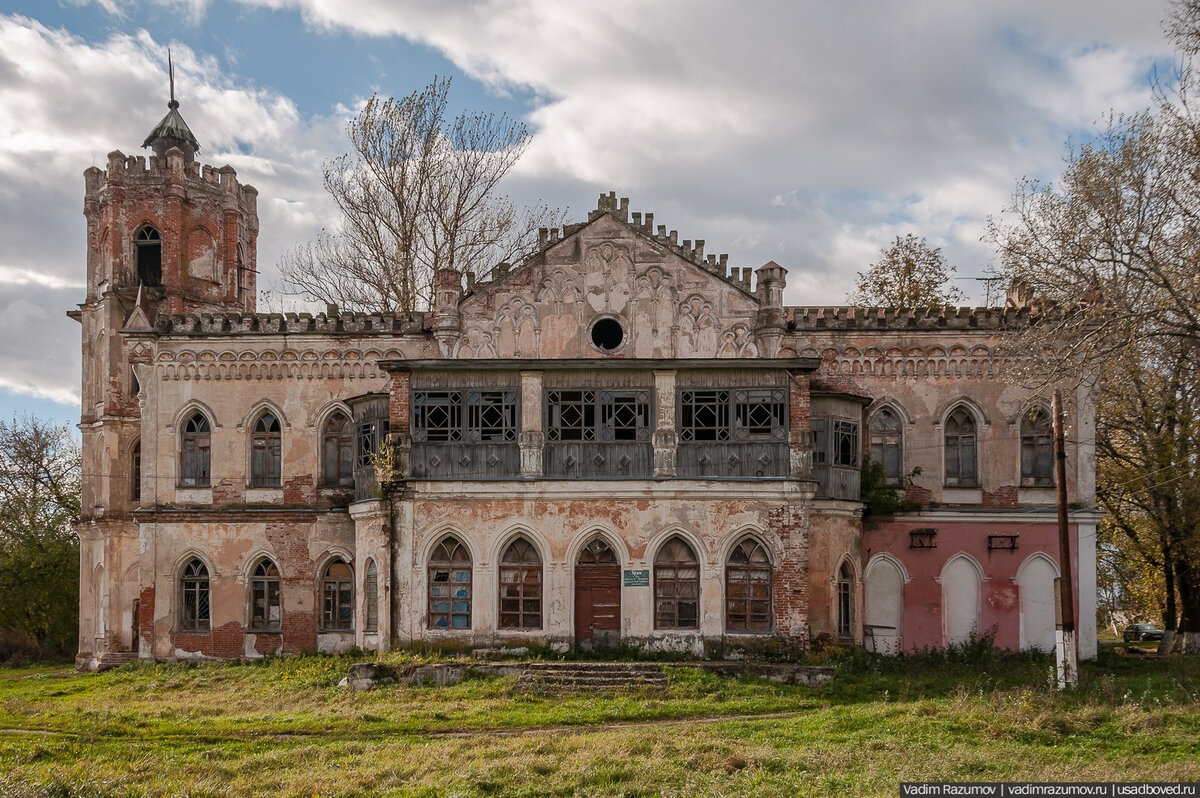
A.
x: 1066, y: 657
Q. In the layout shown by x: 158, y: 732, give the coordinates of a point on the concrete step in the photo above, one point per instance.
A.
x: 114, y: 659
x: 567, y: 676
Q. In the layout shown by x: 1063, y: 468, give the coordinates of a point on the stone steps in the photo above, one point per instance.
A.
x: 567, y: 676
x: 114, y: 659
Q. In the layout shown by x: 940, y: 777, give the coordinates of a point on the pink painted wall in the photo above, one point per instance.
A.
x: 999, y: 594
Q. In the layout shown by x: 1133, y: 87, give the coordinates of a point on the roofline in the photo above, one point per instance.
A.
x: 537, y: 364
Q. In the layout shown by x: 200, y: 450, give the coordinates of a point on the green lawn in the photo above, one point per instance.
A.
x: 285, y: 728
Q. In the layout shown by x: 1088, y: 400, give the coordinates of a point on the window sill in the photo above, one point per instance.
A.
x: 335, y: 631
x: 193, y: 495
x: 263, y: 494
x: 274, y: 631
x: 1037, y: 496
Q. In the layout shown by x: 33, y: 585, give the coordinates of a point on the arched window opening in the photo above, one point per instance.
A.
x: 265, y: 608
x: 148, y: 244
x: 597, y: 553
x: 748, y: 588
x: 337, y: 597
x: 521, y: 587
x: 337, y: 452
x: 676, y: 586
x: 194, y: 604
x: 961, y: 450
x: 194, y: 452
x: 264, y: 455
x: 135, y: 472
x: 450, y: 586
x: 371, y: 598
x: 845, y: 601
x: 886, y: 445
x: 1037, y: 450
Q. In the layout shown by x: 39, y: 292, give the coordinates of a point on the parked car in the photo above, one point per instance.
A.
x: 1143, y: 631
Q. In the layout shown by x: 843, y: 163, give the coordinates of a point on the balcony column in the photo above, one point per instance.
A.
x: 666, y: 439
x: 532, y: 436
x: 799, y: 427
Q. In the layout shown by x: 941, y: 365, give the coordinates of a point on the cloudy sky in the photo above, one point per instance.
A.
x: 811, y: 133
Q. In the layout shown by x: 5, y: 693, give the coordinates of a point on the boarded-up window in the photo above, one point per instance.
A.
x: 676, y: 586
x: 521, y: 587
x: 748, y: 588
x: 194, y: 600
x: 371, y: 598
x: 450, y: 586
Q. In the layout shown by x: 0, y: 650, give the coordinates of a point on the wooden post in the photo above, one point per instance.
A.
x: 1065, y: 653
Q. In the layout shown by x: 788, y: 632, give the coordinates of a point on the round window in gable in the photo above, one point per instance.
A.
x: 607, y: 334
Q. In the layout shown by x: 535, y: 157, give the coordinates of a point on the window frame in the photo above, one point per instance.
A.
x: 731, y: 410
x: 337, y: 615
x: 466, y: 412
x: 267, y: 584
x: 672, y: 620
x: 343, y: 442
x: 195, y: 471
x: 266, y: 451
x: 1040, y: 442
x: 884, y: 439
x: 522, y: 569
x: 846, y: 437
x: 195, y: 591
x: 746, y: 601
x: 598, y: 410
x: 450, y: 565
x: 371, y: 597
x: 135, y: 472
x: 958, y: 480
x: 844, y: 602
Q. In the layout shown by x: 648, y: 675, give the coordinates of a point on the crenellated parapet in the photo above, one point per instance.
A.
x: 927, y: 318
x: 239, y: 324
x: 139, y: 171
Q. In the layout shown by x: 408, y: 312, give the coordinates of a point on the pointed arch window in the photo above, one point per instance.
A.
x: 521, y: 586
x: 961, y: 450
x: 337, y: 597
x: 337, y: 451
x: 845, y: 601
x: 265, y: 446
x: 748, y: 588
x: 887, y: 445
x: 450, y: 586
x: 194, y: 599
x: 1037, y: 449
x: 195, y: 446
x: 265, y: 607
x: 371, y: 598
x: 676, y: 586
x: 148, y: 244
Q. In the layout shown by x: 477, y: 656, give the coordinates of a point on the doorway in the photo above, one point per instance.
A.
x: 597, y: 596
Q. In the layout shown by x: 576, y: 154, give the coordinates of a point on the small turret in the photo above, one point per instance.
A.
x: 172, y: 131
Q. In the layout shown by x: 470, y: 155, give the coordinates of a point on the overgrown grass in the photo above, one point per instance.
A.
x: 283, y: 727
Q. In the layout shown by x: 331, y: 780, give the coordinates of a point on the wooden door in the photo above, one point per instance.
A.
x: 597, y: 596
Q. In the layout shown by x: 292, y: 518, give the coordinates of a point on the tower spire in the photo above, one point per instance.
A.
x: 173, y: 104
x: 172, y: 131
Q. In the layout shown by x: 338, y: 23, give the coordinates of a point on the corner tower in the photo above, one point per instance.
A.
x: 164, y: 235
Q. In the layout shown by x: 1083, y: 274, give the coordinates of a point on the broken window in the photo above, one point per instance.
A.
x: 371, y: 435
x: 748, y: 588
x: 337, y: 597
x: 759, y: 415
x: 738, y: 415
x: 371, y: 598
x: 194, y: 452
x: 704, y: 416
x: 960, y: 443
x: 845, y: 601
x: 846, y: 446
x: 437, y: 416
x: 450, y: 586
x: 676, y: 586
x: 491, y: 416
x: 148, y: 244
x: 1037, y: 449
x: 194, y: 600
x: 265, y: 606
x: 885, y: 445
x: 521, y: 587
x: 264, y: 454
x: 337, y: 452
x: 597, y: 416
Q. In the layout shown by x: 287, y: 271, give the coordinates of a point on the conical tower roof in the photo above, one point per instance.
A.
x: 172, y: 131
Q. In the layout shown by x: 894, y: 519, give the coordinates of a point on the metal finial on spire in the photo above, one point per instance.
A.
x: 171, y: 70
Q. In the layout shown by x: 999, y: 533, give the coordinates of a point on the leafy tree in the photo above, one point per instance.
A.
x: 1110, y: 253
x: 909, y: 274
x: 39, y: 553
x: 418, y: 192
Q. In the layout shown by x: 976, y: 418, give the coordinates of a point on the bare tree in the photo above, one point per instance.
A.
x: 909, y: 274
x: 1111, y: 253
x: 418, y: 192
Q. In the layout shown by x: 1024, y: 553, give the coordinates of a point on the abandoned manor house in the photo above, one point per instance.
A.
x: 620, y: 439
